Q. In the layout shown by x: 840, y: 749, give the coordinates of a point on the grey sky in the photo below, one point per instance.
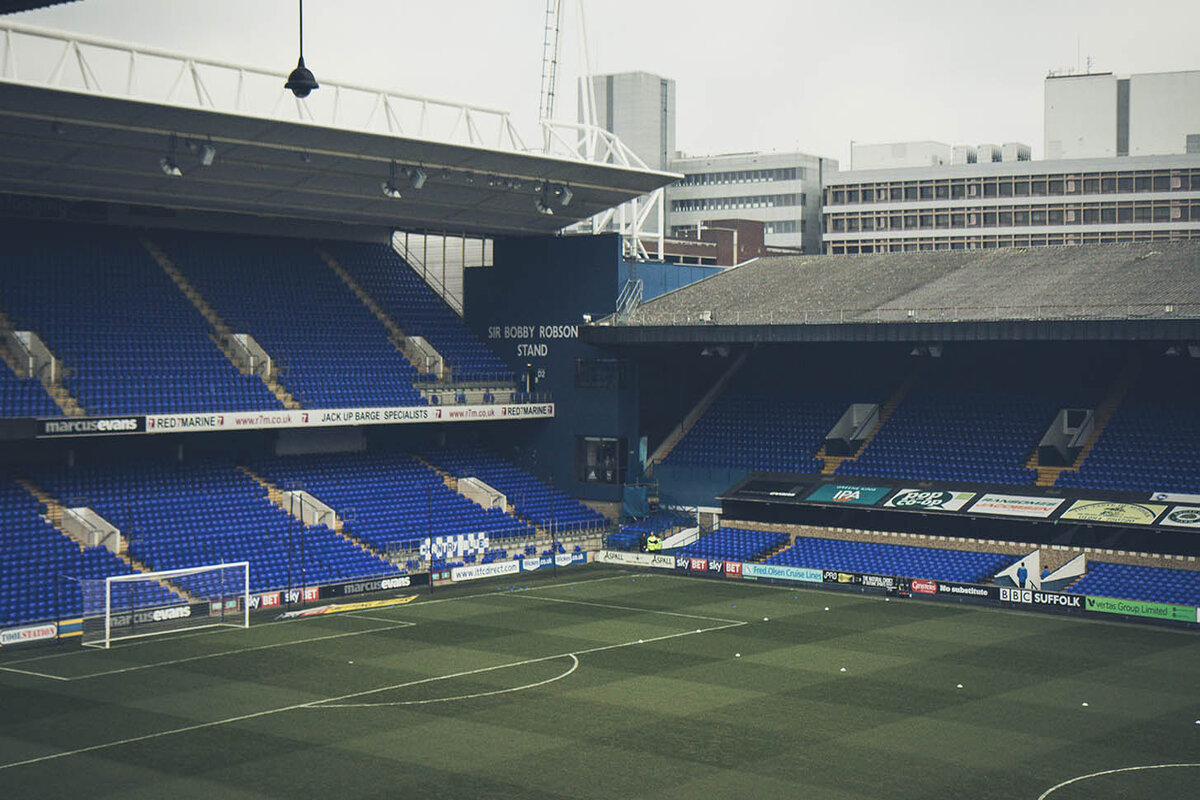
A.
x: 752, y: 75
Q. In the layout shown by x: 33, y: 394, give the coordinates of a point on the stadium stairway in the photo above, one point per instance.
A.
x: 693, y: 416
x: 833, y: 462
x: 275, y: 495
x: 52, y: 383
x: 54, y: 516
x: 1048, y: 476
x: 396, y: 335
x: 222, y: 333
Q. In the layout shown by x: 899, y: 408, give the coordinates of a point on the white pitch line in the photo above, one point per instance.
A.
x: 34, y: 674
x: 396, y: 625
x: 574, y: 666
x: 1054, y: 789
x: 316, y: 703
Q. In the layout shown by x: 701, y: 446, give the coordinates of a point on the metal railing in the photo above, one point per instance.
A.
x: 998, y: 313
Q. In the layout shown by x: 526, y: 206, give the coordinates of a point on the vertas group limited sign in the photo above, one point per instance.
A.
x: 929, y: 499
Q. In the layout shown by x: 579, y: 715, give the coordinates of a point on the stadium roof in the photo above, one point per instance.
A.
x: 83, y: 118
x: 930, y: 295
x: 11, y: 6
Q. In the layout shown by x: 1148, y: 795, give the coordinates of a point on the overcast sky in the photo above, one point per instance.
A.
x: 751, y: 74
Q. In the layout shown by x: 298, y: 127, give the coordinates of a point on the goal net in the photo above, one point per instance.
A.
x: 153, y: 603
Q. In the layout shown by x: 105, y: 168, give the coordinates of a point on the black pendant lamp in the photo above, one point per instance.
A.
x: 301, y: 82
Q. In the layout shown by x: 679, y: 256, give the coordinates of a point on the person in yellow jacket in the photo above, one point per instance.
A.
x: 653, y: 543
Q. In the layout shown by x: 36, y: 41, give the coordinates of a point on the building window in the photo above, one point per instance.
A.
x: 600, y: 459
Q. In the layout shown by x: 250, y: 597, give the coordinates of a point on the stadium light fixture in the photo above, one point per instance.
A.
x: 540, y: 204
x: 564, y: 196
x: 416, y: 177
x: 301, y: 81
x: 208, y: 154
x: 390, y: 188
x: 168, y: 164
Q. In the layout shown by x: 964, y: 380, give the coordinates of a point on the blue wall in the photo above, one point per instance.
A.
x: 529, y: 306
x: 658, y: 278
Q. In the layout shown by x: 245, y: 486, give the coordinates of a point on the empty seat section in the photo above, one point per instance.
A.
x: 332, y: 352
x: 973, y: 418
x: 208, y: 512
x: 24, y: 397
x: 40, y: 566
x: 774, y: 414
x: 1130, y: 582
x: 545, y: 506
x: 418, y: 310
x: 1152, y: 442
x: 737, y: 544
x: 391, y: 501
x: 904, y: 561
x: 129, y: 338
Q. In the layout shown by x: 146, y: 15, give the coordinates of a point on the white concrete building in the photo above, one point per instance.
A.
x: 639, y: 107
x: 1013, y: 204
x: 782, y: 190
x: 1104, y: 115
x: 897, y: 155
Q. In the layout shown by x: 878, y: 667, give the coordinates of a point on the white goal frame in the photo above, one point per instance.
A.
x: 240, y: 618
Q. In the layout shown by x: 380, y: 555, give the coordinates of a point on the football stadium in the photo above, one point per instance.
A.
x: 354, y: 445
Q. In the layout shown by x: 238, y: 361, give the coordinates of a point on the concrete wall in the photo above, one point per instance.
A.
x: 896, y: 155
x: 1080, y: 116
x: 1164, y: 107
x: 639, y: 107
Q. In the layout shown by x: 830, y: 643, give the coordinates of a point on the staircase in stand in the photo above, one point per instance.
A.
x: 693, y: 416
x: 275, y: 495
x: 52, y: 383
x: 54, y: 516
x: 1048, y: 476
x: 222, y: 333
x: 833, y: 462
x: 396, y: 334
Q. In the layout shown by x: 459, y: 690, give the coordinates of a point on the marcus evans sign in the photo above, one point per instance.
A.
x: 849, y: 494
x: 1013, y: 505
x: 91, y: 426
x: 1114, y: 513
x: 929, y: 499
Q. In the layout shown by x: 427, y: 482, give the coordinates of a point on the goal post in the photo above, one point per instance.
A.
x: 154, y: 603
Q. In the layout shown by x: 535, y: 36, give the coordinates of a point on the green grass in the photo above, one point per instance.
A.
x: 479, y: 692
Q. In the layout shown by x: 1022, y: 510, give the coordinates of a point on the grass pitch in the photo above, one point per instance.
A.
x: 603, y: 684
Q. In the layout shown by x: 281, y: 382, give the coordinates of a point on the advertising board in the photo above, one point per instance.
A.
x: 780, y: 573
x: 929, y: 499
x: 1182, y: 517
x: 1142, y: 608
x: 630, y: 559
x: 848, y: 494
x: 1114, y: 513
x: 1015, y: 505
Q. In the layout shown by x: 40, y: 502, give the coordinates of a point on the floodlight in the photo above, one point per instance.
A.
x: 207, y: 154
x: 564, y: 196
x: 416, y: 177
x: 170, y: 167
x: 542, y: 208
x: 389, y: 187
